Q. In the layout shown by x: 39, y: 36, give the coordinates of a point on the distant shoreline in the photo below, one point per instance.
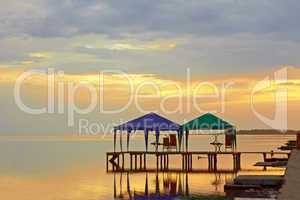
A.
x: 76, y: 136
x: 266, y: 132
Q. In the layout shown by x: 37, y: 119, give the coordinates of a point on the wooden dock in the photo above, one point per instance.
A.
x: 290, y: 189
x: 137, y: 160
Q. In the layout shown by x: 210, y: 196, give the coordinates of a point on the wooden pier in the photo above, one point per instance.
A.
x: 117, y: 162
x: 290, y: 189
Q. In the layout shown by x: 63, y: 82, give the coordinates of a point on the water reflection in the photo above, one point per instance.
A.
x: 129, y: 186
x: 75, y: 170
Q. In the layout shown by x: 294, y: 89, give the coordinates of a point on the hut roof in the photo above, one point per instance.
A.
x: 207, y: 121
x: 151, y: 122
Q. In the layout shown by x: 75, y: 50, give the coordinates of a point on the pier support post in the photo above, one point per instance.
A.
x: 167, y: 161
x: 234, y: 162
x: 135, y: 161
x: 265, y: 157
x: 182, y: 161
x: 183, y: 156
x: 215, y: 160
x: 164, y: 161
x: 239, y: 161
x: 123, y: 162
x: 130, y: 161
x: 188, y: 162
x: 191, y: 162
x: 157, y: 162
x: 209, y: 161
x: 161, y: 162
x: 141, y: 161
x: 185, y: 161
x: 118, y: 159
x: 106, y: 163
x: 145, y: 161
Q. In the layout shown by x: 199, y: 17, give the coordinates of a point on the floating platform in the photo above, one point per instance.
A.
x: 275, y: 159
x: 271, y: 164
x: 254, y: 186
x: 259, y: 180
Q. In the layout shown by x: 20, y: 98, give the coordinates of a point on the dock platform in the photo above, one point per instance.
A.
x: 136, y: 161
x: 290, y: 189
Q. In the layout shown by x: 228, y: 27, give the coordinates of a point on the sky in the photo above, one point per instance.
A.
x: 216, y: 41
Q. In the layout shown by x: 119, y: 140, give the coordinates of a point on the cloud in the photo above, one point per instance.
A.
x: 218, y: 40
x: 27, y: 62
x: 219, y: 36
x: 116, y: 92
x: 39, y: 55
x: 140, y: 17
x: 134, y: 47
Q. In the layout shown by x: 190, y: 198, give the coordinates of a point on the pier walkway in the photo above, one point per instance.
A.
x: 290, y: 189
x: 137, y: 160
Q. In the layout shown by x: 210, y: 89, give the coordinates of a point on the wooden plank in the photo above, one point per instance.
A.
x: 290, y: 189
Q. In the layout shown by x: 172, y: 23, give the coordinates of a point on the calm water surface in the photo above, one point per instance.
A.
x: 64, y: 170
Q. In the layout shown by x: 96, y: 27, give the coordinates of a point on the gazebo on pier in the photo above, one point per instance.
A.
x: 211, y: 122
x: 150, y: 122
